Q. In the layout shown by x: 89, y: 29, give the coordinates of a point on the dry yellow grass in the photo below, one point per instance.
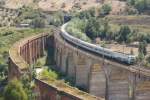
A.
x: 54, y: 5
x: 66, y: 4
x: 17, y: 3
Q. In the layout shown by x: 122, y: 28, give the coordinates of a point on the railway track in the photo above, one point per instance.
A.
x: 132, y: 68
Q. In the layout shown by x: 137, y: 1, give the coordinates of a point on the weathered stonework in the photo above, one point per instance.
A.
x: 102, y: 77
x: 98, y: 76
x: 26, y: 52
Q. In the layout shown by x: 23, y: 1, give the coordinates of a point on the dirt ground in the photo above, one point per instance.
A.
x: 140, y: 23
x: 54, y: 5
x: 130, y: 20
x: 117, y: 6
x: 67, y: 4
x: 17, y: 3
x: 123, y: 48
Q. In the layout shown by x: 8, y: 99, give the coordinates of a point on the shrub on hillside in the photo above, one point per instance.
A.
x: 14, y: 91
x: 105, y: 10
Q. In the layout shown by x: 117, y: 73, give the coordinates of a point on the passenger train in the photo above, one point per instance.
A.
x: 120, y: 57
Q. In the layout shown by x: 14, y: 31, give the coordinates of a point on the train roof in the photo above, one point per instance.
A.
x: 94, y: 45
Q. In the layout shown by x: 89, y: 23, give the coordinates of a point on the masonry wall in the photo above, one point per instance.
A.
x: 110, y: 80
x: 24, y: 53
x: 101, y: 77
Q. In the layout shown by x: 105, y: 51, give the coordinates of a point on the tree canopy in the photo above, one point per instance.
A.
x: 142, y: 47
x: 14, y: 91
x: 123, y: 34
x: 140, y: 5
x: 105, y: 10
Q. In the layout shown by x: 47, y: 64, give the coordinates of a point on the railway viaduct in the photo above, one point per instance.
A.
x: 97, y: 76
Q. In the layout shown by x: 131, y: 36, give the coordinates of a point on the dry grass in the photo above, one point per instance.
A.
x: 66, y: 4
x: 123, y: 48
x: 50, y: 5
x: 17, y: 3
x: 118, y: 7
x: 54, y: 5
x: 131, y: 20
x: 140, y: 23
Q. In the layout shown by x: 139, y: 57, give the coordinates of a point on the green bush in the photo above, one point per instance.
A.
x: 77, y: 28
x: 105, y: 10
x: 38, y: 23
x: 48, y: 73
x: 14, y: 91
x: 140, y: 5
x: 123, y: 34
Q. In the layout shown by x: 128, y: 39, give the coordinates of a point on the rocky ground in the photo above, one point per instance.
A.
x: 54, y: 5
x: 7, y: 17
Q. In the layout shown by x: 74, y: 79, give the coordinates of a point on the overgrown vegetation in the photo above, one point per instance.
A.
x: 140, y: 5
x: 14, y: 91
x: 93, y: 25
x: 76, y: 28
x: 39, y: 19
x: 105, y: 10
x: 8, y: 37
x: 86, y: 25
x: 97, y: 27
x: 48, y: 74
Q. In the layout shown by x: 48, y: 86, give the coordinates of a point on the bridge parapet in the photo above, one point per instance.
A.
x: 98, y: 76
x: 26, y: 52
x: 106, y: 78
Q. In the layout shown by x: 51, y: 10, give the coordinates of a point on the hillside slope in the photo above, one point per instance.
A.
x: 68, y: 4
x: 17, y: 3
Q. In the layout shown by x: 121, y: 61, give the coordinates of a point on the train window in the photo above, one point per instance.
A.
x: 96, y: 49
x: 99, y: 50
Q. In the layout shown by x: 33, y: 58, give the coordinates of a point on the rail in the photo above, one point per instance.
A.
x: 132, y: 68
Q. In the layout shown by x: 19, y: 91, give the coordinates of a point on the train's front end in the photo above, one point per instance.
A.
x: 131, y: 59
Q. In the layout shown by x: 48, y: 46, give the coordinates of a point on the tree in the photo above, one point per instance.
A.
x: 38, y: 23
x: 105, y: 10
x: 3, y: 70
x: 123, y: 34
x: 28, y: 87
x: 14, y: 91
x: 148, y: 59
x: 57, y: 19
x: 140, y: 57
x: 131, y: 52
x: 93, y: 28
x: 106, y: 30
x: 142, y: 47
x: 87, y: 14
x: 131, y: 2
x: 141, y: 5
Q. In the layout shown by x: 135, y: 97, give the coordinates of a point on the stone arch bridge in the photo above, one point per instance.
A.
x: 97, y: 76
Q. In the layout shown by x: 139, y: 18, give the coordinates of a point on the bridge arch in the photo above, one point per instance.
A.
x: 70, y: 65
x: 82, y: 70
x: 97, y: 79
x: 115, y: 78
x: 63, y: 61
